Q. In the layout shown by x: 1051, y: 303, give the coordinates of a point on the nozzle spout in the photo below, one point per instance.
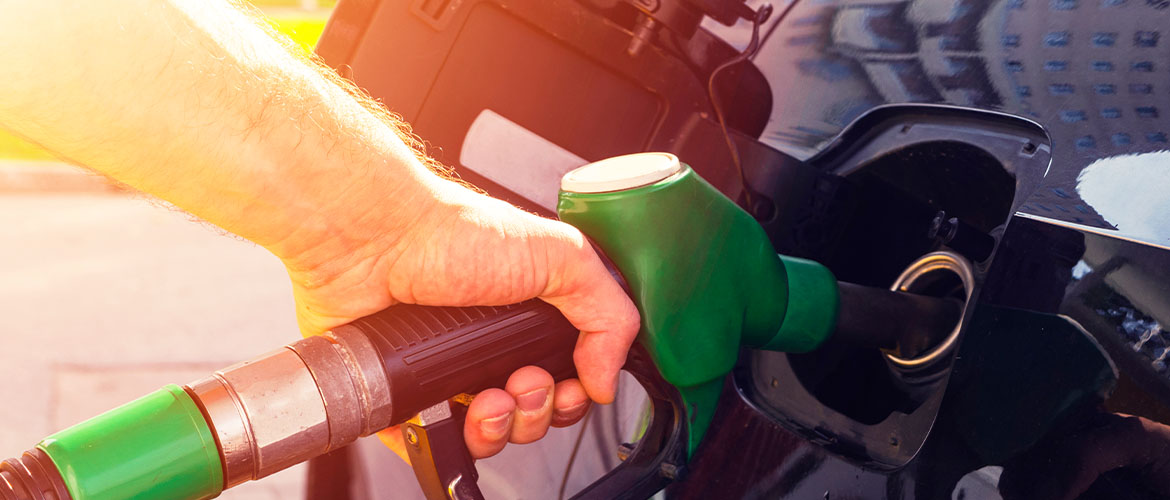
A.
x: 884, y: 319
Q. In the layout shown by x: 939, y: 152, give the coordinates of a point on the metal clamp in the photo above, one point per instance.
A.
x: 443, y: 466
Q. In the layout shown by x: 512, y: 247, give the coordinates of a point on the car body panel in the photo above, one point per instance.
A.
x: 1062, y: 103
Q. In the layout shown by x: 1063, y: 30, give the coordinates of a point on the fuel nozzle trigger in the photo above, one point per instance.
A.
x: 445, y: 470
x: 434, y: 442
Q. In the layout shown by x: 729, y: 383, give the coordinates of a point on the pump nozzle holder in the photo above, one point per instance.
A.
x: 701, y: 270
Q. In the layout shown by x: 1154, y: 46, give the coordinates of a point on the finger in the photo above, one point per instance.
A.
x: 392, y: 438
x: 593, y: 302
x: 570, y: 402
x: 532, y: 388
x: 489, y: 423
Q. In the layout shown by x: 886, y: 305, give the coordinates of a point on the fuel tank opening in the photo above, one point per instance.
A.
x: 942, y: 274
x: 899, y: 184
x: 868, y: 382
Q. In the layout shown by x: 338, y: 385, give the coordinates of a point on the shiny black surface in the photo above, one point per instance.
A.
x: 1094, y: 73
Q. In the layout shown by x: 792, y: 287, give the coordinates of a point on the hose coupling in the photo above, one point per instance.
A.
x: 302, y: 400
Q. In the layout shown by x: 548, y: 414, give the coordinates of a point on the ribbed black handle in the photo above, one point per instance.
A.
x: 434, y: 353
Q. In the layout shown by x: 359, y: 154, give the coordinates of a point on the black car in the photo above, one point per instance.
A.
x: 1012, y: 154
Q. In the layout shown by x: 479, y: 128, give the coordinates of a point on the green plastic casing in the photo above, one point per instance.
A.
x: 706, y: 280
x: 157, y: 447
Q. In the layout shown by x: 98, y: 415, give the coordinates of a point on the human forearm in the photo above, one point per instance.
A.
x: 229, y: 124
x: 192, y: 102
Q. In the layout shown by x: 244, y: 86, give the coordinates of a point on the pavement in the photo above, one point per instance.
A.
x: 106, y: 295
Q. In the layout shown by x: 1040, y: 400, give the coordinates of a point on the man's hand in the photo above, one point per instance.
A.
x: 468, y: 249
x: 194, y: 102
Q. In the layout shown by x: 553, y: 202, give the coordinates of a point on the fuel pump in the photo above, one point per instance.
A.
x: 701, y: 271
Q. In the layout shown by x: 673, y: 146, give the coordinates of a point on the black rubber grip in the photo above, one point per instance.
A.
x: 434, y: 353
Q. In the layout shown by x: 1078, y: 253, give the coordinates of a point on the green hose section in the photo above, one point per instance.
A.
x: 706, y: 279
x: 157, y: 447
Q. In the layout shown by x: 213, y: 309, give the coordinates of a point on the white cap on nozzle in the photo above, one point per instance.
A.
x: 621, y: 173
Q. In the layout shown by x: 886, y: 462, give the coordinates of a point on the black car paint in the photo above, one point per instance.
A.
x: 1094, y: 74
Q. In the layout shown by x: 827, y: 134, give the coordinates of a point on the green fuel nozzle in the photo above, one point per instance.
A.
x: 701, y: 270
